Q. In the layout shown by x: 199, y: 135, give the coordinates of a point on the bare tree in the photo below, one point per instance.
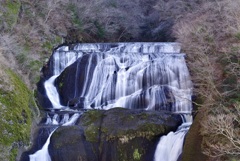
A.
x: 210, y: 37
x: 223, y: 126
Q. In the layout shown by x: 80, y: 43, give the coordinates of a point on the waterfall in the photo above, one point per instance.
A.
x: 150, y: 76
x: 52, y: 93
x: 170, y: 146
x: 42, y: 154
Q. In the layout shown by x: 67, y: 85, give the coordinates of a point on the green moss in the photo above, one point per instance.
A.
x: 104, y: 130
x: 34, y: 66
x: 13, y: 6
x: 143, y: 116
x: 22, y: 58
x: 16, y: 116
x: 50, y: 43
x: 60, y: 84
x: 136, y: 155
x: 47, y: 45
x: 147, y: 131
x: 91, y: 116
x: 13, y: 154
x: 234, y: 158
x: 11, y: 13
x: 133, y: 151
x: 237, y: 36
x: 58, y: 40
x: 91, y: 120
x: 91, y: 133
x: 60, y: 134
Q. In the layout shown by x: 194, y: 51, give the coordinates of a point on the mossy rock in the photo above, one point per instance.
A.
x: 117, y: 134
x: 91, y: 123
x: 75, y: 138
x: 16, y: 116
x: 125, y: 124
x: 192, y: 146
x: 69, y: 143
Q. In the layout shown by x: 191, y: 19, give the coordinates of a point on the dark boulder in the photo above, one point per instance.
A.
x: 117, y: 134
x: 71, y: 81
x: 69, y: 143
x: 42, y: 98
x: 192, y: 146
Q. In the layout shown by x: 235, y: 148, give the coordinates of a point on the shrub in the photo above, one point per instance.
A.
x: 209, y: 36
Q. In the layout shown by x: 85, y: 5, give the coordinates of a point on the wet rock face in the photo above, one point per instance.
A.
x: 69, y: 143
x: 117, y: 134
x: 70, y: 83
x: 135, y: 76
x: 39, y: 136
x: 42, y: 98
x: 131, y: 75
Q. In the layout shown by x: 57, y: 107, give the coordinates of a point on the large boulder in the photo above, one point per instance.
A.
x: 70, y: 83
x: 192, y: 147
x: 117, y: 134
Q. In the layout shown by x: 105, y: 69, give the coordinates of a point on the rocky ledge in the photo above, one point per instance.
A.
x: 117, y: 134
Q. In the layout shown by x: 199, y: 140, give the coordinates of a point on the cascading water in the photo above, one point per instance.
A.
x: 42, y: 154
x: 150, y: 76
x: 170, y: 146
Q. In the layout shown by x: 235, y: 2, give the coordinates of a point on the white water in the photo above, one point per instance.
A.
x: 62, y: 59
x: 143, y: 81
x: 170, y: 146
x: 52, y: 92
x: 144, y: 72
x: 43, y: 154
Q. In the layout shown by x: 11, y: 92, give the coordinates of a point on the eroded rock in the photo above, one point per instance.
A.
x: 116, y: 134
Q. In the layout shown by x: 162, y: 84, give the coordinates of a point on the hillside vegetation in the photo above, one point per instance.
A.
x: 209, y: 31
x: 210, y: 37
x: 17, y: 113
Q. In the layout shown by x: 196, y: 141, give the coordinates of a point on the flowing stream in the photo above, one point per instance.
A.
x: 150, y: 76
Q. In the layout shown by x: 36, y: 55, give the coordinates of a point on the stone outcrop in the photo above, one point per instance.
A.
x: 192, y: 148
x: 116, y: 134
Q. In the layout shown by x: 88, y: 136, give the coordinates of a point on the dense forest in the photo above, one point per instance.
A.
x: 208, y: 30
